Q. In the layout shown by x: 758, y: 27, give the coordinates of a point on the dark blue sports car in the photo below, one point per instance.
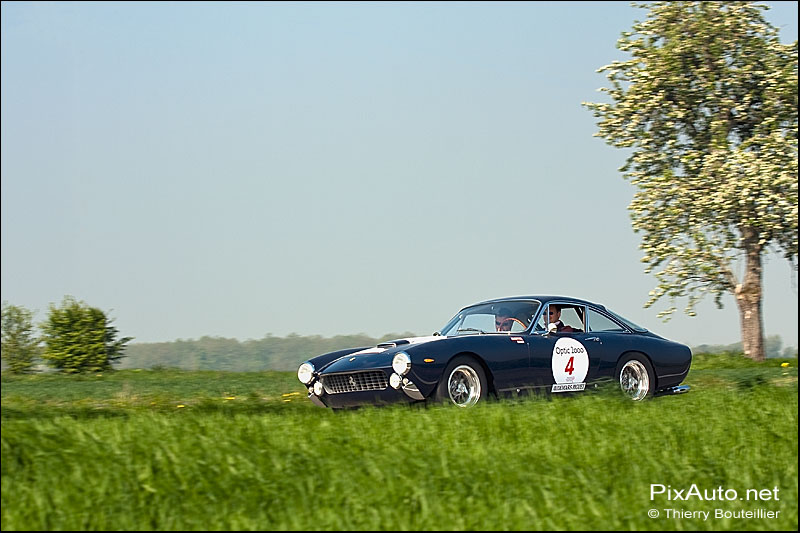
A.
x: 505, y: 346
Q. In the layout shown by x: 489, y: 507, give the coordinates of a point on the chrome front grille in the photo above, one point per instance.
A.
x: 357, y: 381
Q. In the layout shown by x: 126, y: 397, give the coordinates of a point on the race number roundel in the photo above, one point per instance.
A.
x: 570, y: 361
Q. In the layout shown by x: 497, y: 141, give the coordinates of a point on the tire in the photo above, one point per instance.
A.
x: 463, y: 383
x: 636, y: 377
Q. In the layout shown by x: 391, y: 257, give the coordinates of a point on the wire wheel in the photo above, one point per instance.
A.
x: 634, y: 379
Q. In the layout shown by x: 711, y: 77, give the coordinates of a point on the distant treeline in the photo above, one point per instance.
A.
x: 286, y: 353
x: 773, y: 346
x: 217, y: 353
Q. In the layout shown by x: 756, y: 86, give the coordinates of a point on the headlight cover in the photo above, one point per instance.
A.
x: 401, y: 363
x: 305, y: 373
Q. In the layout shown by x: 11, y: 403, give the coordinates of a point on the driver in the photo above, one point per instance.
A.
x: 503, y: 320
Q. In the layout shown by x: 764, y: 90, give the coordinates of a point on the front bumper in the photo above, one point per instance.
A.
x: 357, y: 399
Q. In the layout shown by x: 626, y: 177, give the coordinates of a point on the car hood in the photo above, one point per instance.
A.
x: 376, y: 357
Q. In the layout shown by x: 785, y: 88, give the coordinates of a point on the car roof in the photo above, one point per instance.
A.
x: 544, y: 299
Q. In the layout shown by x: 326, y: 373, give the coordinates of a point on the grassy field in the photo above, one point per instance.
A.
x: 172, y: 450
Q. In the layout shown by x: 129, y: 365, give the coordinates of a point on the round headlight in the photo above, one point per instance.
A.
x: 305, y: 373
x: 394, y: 381
x: 318, y: 388
x: 401, y: 363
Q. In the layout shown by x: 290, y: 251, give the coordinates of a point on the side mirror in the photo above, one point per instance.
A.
x: 437, y: 334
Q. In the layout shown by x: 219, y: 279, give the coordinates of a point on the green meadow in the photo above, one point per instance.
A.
x: 181, y: 450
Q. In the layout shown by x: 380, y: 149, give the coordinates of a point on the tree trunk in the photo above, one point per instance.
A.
x: 748, y: 298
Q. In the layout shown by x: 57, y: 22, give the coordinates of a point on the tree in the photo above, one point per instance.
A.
x: 20, y: 345
x: 79, y: 338
x: 708, y: 107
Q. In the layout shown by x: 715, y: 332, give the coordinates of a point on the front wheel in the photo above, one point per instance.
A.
x: 463, y: 383
x: 636, y: 377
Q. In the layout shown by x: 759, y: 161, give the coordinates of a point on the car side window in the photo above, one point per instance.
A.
x: 600, y: 322
x: 571, y: 316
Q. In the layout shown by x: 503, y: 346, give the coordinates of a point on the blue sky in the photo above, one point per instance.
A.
x: 238, y: 169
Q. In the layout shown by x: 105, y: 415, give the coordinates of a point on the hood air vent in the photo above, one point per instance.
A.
x: 392, y: 344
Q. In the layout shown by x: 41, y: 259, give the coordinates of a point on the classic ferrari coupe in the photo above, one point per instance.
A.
x: 507, y: 346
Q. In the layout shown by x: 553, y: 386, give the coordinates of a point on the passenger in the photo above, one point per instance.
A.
x: 555, y: 318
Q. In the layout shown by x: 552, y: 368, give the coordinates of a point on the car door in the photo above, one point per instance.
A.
x: 508, y: 356
x: 565, y: 360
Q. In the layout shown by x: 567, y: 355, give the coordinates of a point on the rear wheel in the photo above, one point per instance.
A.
x: 463, y: 383
x: 636, y: 377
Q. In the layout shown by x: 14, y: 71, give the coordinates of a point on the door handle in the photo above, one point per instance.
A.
x: 595, y: 339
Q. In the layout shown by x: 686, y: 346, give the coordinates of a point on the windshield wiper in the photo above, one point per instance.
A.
x: 471, y: 329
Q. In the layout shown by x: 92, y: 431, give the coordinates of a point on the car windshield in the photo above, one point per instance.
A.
x: 497, y: 317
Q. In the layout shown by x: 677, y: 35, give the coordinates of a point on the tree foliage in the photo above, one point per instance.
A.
x: 79, y: 338
x: 20, y: 345
x: 708, y: 107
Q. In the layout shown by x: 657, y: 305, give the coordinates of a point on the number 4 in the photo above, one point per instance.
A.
x: 570, y: 366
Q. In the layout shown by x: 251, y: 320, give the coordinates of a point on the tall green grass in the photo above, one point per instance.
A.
x: 262, y: 458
